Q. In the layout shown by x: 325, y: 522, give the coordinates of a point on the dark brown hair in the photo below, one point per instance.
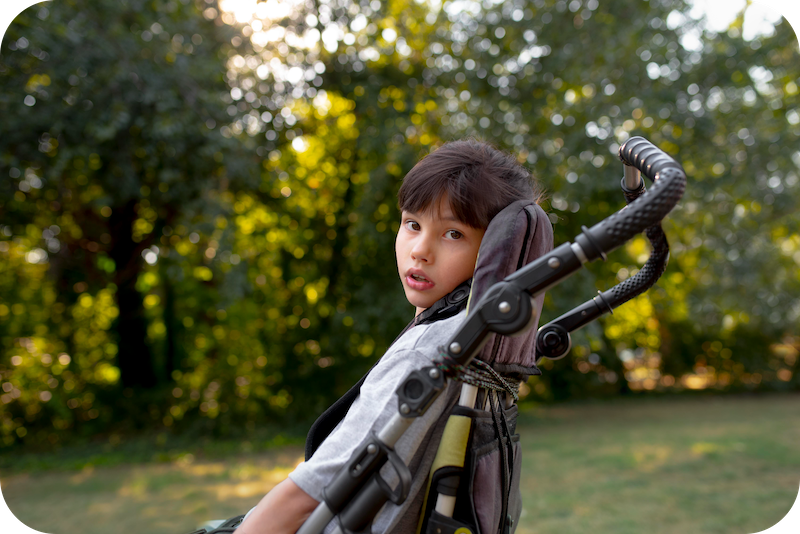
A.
x: 478, y: 179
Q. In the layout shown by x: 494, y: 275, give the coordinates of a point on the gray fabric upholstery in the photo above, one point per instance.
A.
x: 516, y: 236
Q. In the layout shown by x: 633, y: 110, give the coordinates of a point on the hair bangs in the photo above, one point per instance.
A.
x: 477, y: 179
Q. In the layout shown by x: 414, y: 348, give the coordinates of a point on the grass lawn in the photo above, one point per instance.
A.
x: 691, y: 465
x: 700, y: 465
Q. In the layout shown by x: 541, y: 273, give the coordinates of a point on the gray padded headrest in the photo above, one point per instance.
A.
x: 516, y: 236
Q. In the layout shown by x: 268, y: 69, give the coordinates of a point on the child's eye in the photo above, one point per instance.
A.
x: 453, y: 234
x: 412, y: 225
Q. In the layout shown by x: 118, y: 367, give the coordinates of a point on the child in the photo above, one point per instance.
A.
x: 447, y: 201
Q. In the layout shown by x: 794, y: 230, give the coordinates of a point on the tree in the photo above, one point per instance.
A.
x: 117, y: 140
x: 263, y: 292
x: 112, y: 137
x: 563, y: 84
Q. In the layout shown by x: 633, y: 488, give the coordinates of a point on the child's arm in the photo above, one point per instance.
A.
x: 282, y: 510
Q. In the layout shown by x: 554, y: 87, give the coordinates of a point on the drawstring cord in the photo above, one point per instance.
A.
x: 478, y: 373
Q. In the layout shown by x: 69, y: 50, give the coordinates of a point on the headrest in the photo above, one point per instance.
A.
x: 516, y: 236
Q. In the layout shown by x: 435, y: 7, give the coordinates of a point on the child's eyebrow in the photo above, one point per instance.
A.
x: 449, y: 218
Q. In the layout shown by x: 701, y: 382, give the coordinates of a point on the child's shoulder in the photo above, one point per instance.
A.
x: 427, y: 338
x: 415, y: 349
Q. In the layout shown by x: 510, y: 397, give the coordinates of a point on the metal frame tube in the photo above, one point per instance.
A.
x: 394, y: 429
x: 317, y: 521
x: 633, y: 178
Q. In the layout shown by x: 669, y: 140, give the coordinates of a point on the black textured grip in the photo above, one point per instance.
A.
x: 553, y: 340
x: 645, y: 156
x: 648, y: 275
x: 647, y: 210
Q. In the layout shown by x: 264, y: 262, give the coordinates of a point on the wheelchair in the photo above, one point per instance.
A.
x: 491, y: 352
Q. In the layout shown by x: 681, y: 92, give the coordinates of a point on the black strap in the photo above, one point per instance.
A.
x: 506, y: 457
x: 326, y: 422
x: 448, y: 306
x: 507, y: 520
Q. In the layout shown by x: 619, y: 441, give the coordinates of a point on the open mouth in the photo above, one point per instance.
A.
x: 420, y: 278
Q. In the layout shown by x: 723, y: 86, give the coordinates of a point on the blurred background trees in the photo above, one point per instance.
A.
x: 197, y: 210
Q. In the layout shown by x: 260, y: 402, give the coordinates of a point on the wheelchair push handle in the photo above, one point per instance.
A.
x: 647, y: 210
x: 640, y: 157
x: 502, y: 309
x: 553, y: 339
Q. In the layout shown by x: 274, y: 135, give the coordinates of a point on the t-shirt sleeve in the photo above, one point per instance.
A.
x: 374, y: 407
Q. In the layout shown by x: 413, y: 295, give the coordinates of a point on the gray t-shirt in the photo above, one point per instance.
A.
x: 374, y: 407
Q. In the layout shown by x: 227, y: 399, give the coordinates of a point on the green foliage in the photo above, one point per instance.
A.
x: 198, y: 227
x: 110, y: 139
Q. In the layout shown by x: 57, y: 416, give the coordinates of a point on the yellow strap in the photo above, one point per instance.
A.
x: 452, y: 452
x: 453, y: 447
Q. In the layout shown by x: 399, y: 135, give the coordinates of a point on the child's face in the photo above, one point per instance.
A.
x: 435, y: 253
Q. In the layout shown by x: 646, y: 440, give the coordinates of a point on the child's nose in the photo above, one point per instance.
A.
x: 422, y: 250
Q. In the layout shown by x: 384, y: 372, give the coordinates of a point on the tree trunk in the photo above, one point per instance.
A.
x: 134, y: 358
x: 172, y: 325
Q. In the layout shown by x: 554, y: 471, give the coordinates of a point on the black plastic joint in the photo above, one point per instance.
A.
x: 606, y: 305
x: 553, y: 342
x: 419, y: 390
x: 632, y: 194
x: 449, y: 485
x: 359, y: 512
x: 592, y: 246
x: 364, y: 461
x: 508, y: 310
x: 439, y: 524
